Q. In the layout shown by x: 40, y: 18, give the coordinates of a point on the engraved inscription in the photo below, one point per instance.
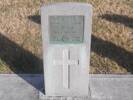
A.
x: 66, y: 29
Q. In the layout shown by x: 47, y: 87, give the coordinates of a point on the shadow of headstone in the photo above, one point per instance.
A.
x: 125, y: 20
x: 19, y: 60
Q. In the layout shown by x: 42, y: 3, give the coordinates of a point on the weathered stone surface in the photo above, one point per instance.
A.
x: 19, y: 87
x: 111, y: 87
x: 66, y: 31
x: 102, y: 87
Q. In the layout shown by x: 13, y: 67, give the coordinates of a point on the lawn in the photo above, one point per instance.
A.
x: 112, y: 36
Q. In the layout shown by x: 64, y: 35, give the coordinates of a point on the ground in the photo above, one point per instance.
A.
x: 112, y: 36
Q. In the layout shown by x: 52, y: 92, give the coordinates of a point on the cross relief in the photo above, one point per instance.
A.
x: 66, y: 64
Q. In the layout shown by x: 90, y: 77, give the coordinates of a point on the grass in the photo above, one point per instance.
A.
x: 112, y: 42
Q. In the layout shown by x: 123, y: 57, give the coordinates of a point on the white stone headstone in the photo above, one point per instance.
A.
x: 66, y: 30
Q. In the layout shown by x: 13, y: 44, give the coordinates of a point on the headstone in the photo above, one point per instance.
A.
x: 66, y: 30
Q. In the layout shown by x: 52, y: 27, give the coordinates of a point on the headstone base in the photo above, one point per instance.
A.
x: 44, y: 97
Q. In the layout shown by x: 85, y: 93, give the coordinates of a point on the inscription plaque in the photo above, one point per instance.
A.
x: 66, y: 29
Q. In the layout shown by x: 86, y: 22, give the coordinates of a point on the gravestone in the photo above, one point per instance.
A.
x: 66, y: 30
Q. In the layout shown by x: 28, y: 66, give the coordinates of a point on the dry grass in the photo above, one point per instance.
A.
x: 112, y: 42
x: 16, y: 26
x: 113, y: 24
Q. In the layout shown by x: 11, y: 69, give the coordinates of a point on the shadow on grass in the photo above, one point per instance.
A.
x: 127, y: 21
x: 35, y: 18
x: 118, y: 54
x: 19, y: 60
x: 107, y: 49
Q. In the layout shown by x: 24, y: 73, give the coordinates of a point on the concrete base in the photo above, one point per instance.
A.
x: 102, y: 87
x: 111, y: 87
x: 19, y: 87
